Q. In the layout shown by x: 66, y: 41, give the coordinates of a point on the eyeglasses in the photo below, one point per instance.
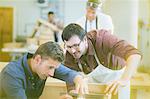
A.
x: 75, y: 46
x: 93, y: 5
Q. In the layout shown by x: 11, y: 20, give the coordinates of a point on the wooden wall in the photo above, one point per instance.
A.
x: 6, y: 30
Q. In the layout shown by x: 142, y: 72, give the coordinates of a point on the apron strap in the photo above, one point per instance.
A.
x: 80, y: 66
x: 97, y: 60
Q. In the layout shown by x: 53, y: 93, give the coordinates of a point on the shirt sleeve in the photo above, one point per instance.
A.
x: 67, y: 75
x: 13, y: 87
x: 116, y: 46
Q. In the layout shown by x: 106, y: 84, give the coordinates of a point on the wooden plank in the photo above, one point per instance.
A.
x: 59, y: 87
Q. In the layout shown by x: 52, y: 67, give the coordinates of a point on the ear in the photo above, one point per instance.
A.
x: 65, y: 44
x: 37, y: 59
x: 65, y: 41
x: 85, y: 39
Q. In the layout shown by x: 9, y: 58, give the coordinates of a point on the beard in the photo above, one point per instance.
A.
x: 77, y: 55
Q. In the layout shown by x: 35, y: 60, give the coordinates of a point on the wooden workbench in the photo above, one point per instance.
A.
x: 140, y: 81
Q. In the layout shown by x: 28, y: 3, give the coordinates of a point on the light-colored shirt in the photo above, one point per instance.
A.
x: 103, y: 22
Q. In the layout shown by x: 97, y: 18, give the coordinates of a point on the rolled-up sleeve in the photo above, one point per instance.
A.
x: 117, y: 46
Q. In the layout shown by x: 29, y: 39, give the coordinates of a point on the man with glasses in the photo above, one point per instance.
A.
x: 103, y: 57
x: 94, y: 18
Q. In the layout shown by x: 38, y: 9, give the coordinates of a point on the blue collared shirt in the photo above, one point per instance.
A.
x: 18, y: 82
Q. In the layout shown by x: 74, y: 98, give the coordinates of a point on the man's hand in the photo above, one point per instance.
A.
x: 66, y: 96
x: 113, y: 86
x: 132, y: 63
x: 81, y: 85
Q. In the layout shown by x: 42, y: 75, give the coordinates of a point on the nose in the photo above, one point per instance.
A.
x: 73, y: 50
x: 91, y: 14
x: 51, y: 72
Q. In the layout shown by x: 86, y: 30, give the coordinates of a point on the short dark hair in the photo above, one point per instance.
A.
x: 50, y: 12
x: 50, y: 50
x: 71, y: 30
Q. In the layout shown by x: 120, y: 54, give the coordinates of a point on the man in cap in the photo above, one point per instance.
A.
x: 94, y: 18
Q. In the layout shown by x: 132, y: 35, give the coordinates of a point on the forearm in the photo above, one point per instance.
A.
x: 131, y: 66
x: 81, y: 85
x: 66, y: 74
x: 76, y: 83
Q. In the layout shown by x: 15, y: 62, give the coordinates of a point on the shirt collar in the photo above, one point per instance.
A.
x: 26, y: 65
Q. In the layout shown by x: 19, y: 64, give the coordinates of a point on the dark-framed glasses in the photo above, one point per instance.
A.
x: 75, y: 46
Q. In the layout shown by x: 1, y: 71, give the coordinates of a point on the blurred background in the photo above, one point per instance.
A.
x: 19, y: 20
